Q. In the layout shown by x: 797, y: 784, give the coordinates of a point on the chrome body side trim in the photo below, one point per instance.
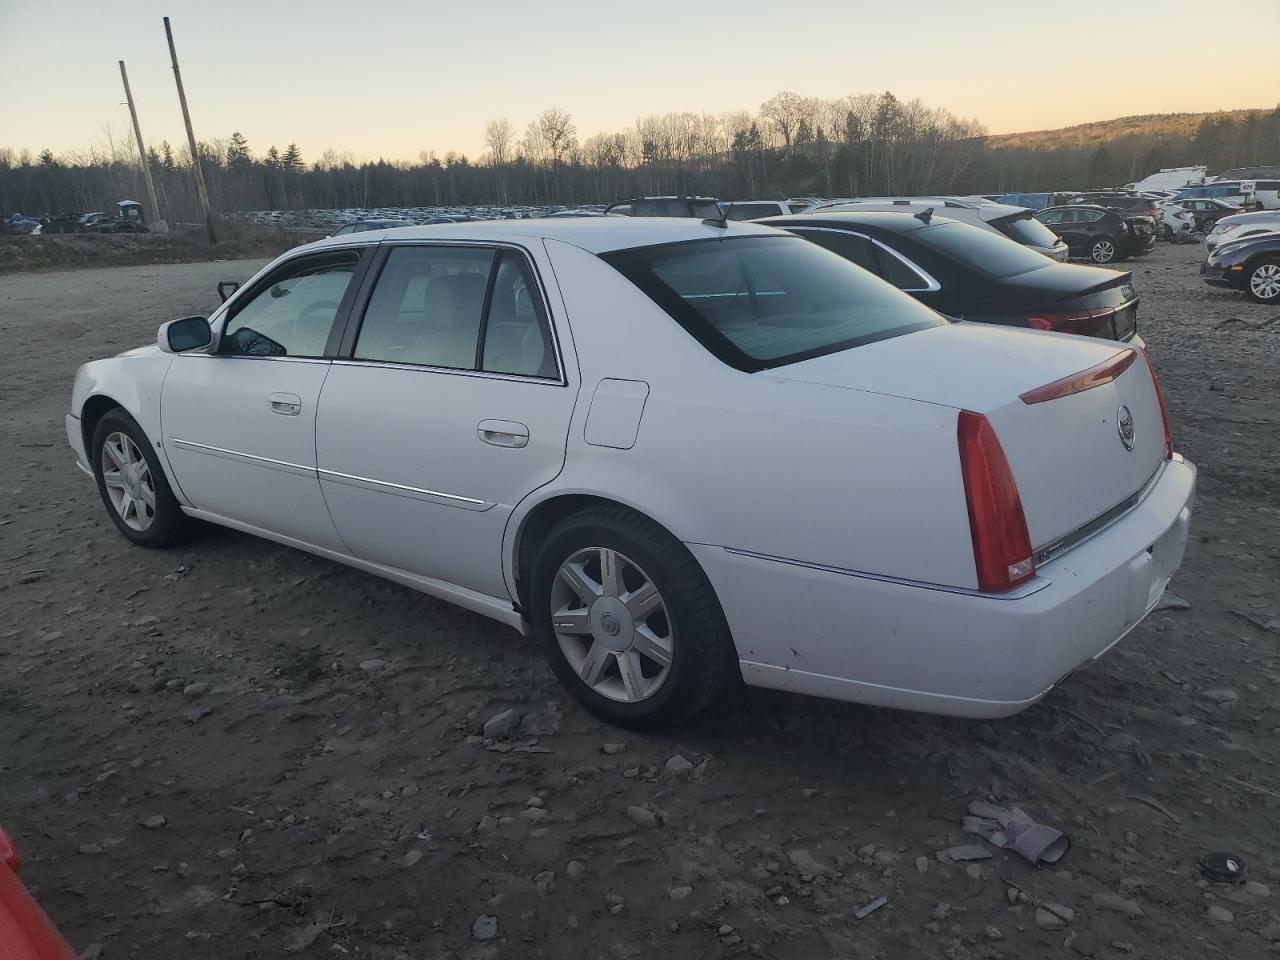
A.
x: 285, y: 465
x: 400, y: 489
x: 931, y: 285
x: 1034, y: 585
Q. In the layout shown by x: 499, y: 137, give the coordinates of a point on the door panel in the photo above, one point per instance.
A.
x: 414, y: 481
x: 451, y: 409
x: 237, y: 453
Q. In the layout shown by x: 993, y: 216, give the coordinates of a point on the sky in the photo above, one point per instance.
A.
x: 394, y: 78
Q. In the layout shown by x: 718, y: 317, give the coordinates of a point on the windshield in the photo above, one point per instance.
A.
x: 761, y: 302
x: 988, y: 253
x: 1026, y: 230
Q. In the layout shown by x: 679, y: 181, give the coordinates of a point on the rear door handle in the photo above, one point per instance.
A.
x: 285, y: 404
x: 503, y: 433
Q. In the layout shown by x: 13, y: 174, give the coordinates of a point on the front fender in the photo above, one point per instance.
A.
x: 132, y: 381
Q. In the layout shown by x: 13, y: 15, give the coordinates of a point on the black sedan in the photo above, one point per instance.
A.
x: 1098, y: 233
x: 1251, y: 264
x: 968, y: 273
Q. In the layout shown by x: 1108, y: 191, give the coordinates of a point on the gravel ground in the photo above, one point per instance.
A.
x: 234, y: 749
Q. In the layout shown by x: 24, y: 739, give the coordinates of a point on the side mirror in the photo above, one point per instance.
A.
x: 226, y: 288
x: 184, y: 335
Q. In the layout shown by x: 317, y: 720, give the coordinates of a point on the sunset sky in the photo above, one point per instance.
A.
x: 394, y: 78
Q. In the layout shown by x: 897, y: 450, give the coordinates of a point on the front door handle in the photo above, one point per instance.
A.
x: 503, y: 433
x: 285, y: 404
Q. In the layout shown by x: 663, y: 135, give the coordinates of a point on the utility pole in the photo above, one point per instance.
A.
x: 158, y: 224
x: 191, y: 137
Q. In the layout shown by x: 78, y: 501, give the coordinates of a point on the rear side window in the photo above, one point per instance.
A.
x: 462, y: 308
x: 893, y: 269
x: 854, y: 248
x: 752, y: 211
x: 761, y: 302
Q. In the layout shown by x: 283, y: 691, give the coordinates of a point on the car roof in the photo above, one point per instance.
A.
x: 898, y: 222
x: 593, y: 234
x: 1079, y: 206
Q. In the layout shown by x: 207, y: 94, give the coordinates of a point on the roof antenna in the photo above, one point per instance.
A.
x: 721, y: 221
x: 924, y: 216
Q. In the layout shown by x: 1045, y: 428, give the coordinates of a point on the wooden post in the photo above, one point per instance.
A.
x: 191, y: 137
x: 158, y: 224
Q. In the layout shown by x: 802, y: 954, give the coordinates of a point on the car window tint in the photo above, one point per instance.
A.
x: 426, y: 307
x: 854, y: 248
x: 760, y: 302
x: 1027, y: 230
x: 753, y: 211
x: 1050, y: 216
x: 981, y: 250
x: 898, y: 273
x: 293, y: 315
x: 516, y: 337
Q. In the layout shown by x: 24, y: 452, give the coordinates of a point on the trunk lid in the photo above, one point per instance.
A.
x: 1067, y: 454
x: 1090, y: 301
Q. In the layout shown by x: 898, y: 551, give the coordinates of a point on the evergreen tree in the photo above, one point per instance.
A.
x: 292, y: 159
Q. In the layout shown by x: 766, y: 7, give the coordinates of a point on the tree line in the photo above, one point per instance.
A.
x: 861, y: 145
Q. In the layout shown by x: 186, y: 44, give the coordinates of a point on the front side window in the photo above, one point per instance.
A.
x: 463, y: 308
x: 761, y: 302
x: 293, y: 315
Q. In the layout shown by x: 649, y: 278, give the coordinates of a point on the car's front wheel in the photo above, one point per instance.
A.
x: 627, y: 619
x: 1102, y: 250
x: 133, y: 485
x: 1264, y: 281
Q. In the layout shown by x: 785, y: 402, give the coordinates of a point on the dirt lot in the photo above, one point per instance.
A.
x: 237, y: 750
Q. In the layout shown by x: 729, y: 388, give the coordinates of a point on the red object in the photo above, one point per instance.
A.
x: 1106, y: 371
x: 26, y: 933
x: 1058, y: 321
x: 1001, y: 543
x: 1164, y: 414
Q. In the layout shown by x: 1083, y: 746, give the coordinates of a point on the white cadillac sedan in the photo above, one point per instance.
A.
x: 679, y: 454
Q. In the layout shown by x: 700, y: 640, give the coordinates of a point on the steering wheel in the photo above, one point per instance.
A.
x: 305, y: 324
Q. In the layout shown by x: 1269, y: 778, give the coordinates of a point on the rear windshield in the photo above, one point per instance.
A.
x: 761, y: 302
x: 1027, y: 230
x: 984, y: 251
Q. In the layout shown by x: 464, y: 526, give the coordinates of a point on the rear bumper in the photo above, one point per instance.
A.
x: 891, y: 643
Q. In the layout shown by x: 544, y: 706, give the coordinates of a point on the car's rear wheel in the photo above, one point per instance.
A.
x: 1102, y: 250
x: 133, y: 485
x: 627, y: 619
x: 1264, y: 282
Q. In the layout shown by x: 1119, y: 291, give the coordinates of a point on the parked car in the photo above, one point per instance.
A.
x: 1176, y: 223
x: 697, y: 207
x: 1032, y: 201
x: 1016, y: 223
x: 1102, y: 235
x: 1238, y: 193
x: 972, y: 274
x: 759, y: 209
x: 576, y: 213
x: 17, y: 223
x: 1209, y: 212
x: 26, y: 932
x: 1169, y: 179
x: 1251, y: 264
x: 617, y: 435
x: 1126, y: 204
x: 363, y: 226
x: 1240, y: 225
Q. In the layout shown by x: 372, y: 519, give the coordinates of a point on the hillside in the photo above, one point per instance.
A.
x: 1152, y: 125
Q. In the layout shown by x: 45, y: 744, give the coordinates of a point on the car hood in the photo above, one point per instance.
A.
x: 145, y: 350
x: 1248, y: 244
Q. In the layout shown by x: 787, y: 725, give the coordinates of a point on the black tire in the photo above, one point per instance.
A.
x: 703, y: 659
x: 168, y: 524
x: 1270, y: 268
x: 1098, y: 250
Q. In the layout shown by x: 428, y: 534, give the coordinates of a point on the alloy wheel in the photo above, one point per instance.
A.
x: 127, y: 477
x: 1104, y: 251
x: 612, y: 624
x: 1264, y: 282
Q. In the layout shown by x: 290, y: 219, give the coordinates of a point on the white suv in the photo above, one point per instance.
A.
x: 1016, y: 223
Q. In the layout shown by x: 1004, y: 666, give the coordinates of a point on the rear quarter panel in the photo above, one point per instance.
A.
x: 753, y: 462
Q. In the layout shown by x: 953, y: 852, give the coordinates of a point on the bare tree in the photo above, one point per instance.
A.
x: 784, y: 111
x: 498, y: 136
x: 558, y: 133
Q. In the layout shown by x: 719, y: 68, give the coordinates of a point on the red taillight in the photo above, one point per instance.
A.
x: 1164, y: 414
x: 1059, y: 321
x: 1001, y: 543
